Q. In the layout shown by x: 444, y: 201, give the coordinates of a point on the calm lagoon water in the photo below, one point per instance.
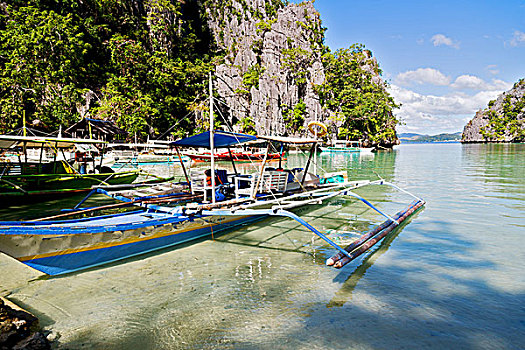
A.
x: 452, y: 278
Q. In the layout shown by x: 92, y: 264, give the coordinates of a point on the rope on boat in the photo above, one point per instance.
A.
x: 15, y: 186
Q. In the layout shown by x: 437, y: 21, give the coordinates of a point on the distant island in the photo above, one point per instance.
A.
x: 411, y: 137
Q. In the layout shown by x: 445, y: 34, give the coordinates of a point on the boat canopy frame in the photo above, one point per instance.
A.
x: 221, y: 139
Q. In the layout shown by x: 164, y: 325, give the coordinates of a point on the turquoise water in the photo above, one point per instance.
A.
x: 452, y: 278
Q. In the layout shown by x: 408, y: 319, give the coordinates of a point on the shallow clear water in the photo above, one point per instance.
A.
x: 452, y: 278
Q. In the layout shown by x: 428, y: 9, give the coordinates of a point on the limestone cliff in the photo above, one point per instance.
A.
x: 502, y: 121
x: 272, y: 61
x: 277, y: 75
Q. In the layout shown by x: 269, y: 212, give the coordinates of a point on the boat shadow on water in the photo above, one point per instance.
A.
x: 349, y: 282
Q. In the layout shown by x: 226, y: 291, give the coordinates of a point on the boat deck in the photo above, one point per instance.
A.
x: 101, y: 223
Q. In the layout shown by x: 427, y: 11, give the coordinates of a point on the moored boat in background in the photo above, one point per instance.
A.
x: 342, y: 146
x: 237, y: 156
x: 139, y: 154
x: 71, y: 168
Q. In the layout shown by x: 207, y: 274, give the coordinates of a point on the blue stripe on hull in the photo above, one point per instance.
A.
x: 66, y: 263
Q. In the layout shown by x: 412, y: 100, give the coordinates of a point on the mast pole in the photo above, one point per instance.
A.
x: 212, y: 146
x: 24, y: 123
x: 315, y: 150
x: 25, y: 133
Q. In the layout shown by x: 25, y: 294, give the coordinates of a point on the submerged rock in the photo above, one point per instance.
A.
x: 19, y: 330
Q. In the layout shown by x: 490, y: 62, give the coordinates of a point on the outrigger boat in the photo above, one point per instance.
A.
x: 26, y: 175
x: 342, y: 146
x: 236, y: 156
x: 139, y: 154
x: 172, y: 213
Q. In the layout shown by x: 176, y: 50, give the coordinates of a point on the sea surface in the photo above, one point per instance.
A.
x: 452, y: 278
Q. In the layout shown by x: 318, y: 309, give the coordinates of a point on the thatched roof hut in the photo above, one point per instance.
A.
x: 97, y: 129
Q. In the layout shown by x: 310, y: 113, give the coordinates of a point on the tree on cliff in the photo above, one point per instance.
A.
x: 357, y: 97
x: 502, y: 121
x: 144, y: 66
x: 44, y: 66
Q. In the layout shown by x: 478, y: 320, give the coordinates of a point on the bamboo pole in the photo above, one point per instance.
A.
x: 307, y: 164
x: 254, y: 193
x: 371, y: 242
x: 233, y: 161
x: 183, y: 168
x: 109, y: 206
x: 212, y: 146
x: 366, y: 237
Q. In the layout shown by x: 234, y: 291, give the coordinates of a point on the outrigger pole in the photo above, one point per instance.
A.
x: 353, y: 250
x: 366, y: 241
x: 277, y: 212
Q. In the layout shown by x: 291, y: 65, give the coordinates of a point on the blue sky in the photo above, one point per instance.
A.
x: 444, y: 59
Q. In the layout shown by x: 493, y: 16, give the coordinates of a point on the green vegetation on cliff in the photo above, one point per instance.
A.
x: 445, y: 137
x: 506, y: 121
x: 502, y: 121
x: 356, y: 97
x: 144, y: 65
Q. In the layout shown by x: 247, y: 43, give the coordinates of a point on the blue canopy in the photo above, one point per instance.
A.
x: 220, y: 139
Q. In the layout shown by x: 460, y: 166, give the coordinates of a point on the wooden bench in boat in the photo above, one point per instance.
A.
x: 271, y: 181
x: 244, y: 185
x: 199, y: 181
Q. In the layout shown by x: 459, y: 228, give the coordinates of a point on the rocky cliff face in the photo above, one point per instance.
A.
x: 272, y: 61
x: 502, y: 121
x: 272, y: 69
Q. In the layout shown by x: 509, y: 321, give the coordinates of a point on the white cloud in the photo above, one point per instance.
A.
x: 492, y: 68
x: 422, y: 76
x: 440, y: 39
x: 428, y: 117
x: 471, y: 82
x: 518, y: 39
x: 500, y: 85
x: 468, y: 82
x: 430, y: 114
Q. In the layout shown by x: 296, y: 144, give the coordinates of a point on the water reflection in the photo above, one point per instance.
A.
x: 500, y: 164
x: 500, y: 170
x: 360, y: 165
